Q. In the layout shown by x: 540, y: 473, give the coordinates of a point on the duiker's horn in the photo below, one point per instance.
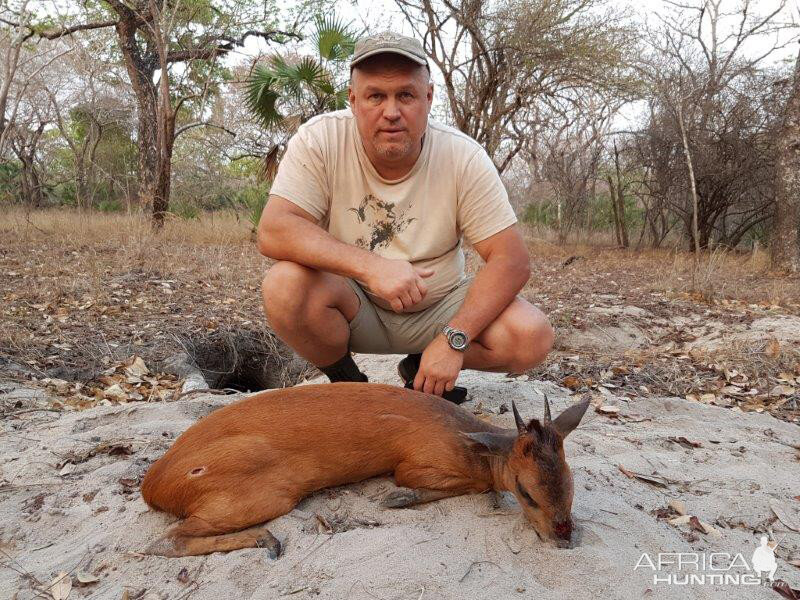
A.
x: 547, y: 417
x: 521, y: 428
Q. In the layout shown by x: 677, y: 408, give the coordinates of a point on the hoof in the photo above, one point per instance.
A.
x: 270, y: 543
x: 399, y: 499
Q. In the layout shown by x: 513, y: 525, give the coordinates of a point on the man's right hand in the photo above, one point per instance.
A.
x: 398, y: 282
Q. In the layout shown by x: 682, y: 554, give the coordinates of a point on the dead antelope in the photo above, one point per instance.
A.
x: 254, y: 460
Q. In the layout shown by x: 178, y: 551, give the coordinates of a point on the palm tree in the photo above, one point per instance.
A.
x: 288, y: 90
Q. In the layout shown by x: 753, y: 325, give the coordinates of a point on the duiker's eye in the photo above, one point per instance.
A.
x: 526, y: 496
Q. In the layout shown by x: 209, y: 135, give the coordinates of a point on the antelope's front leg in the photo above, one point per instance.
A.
x: 404, y: 497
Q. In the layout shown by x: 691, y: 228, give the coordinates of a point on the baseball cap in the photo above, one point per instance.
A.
x: 388, y: 41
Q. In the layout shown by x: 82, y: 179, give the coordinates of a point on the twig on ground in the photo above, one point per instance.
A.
x: 215, y: 392
x: 479, y: 562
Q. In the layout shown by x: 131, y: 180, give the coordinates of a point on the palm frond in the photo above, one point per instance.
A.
x: 302, y: 86
x: 261, y: 97
x: 339, y: 100
x: 333, y: 38
x: 269, y: 167
x: 310, y: 71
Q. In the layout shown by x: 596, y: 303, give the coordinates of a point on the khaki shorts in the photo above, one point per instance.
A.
x: 375, y: 330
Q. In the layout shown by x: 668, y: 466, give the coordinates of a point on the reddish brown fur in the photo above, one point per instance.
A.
x: 260, y: 456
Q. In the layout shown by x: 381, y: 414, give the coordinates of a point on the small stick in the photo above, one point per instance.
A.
x: 222, y: 392
x: 479, y: 562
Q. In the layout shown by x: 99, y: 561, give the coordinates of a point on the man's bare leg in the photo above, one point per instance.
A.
x: 518, y: 340
x: 310, y: 310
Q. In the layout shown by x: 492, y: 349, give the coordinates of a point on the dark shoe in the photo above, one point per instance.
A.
x: 407, y: 370
x: 344, y: 369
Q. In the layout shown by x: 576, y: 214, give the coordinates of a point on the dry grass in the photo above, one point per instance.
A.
x: 129, y: 230
x: 82, y: 290
x: 716, y: 276
x: 104, y: 285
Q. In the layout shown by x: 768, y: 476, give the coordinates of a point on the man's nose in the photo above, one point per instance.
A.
x: 391, y: 110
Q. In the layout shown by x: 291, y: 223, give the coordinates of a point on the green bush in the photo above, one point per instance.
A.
x: 185, y: 210
x: 601, y: 217
x: 540, y: 213
x: 110, y: 205
x: 253, y: 199
x: 9, y: 183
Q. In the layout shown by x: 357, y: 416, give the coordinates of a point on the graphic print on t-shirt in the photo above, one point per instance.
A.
x: 380, y: 217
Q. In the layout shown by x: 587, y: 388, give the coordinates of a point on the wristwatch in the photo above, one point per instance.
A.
x: 457, y: 339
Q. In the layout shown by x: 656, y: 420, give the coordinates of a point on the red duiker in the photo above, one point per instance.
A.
x: 254, y: 460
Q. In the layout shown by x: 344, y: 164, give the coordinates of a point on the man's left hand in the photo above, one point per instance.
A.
x: 439, y: 367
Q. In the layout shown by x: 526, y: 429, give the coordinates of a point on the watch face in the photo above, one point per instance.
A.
x: 458, y: 340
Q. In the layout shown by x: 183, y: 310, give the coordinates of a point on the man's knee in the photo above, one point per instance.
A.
x: 285, y: 287
x: 532, y: 339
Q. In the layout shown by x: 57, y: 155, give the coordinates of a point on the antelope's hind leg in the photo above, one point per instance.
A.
x: 221, y: 529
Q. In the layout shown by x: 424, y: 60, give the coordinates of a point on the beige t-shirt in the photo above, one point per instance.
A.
x: 452, y: 190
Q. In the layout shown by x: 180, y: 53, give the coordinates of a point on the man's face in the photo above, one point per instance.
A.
x: 391, y: 100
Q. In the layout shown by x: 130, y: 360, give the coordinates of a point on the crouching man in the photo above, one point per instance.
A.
x: 366, y: 218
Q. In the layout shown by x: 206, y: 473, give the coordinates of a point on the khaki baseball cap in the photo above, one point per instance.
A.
x: 388, y: 41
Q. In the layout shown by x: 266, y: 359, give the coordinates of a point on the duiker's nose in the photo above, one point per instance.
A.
x: 563, y: 530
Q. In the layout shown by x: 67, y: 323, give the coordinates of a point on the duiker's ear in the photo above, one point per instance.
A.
x: 570, y: 418
x: 491, y: 443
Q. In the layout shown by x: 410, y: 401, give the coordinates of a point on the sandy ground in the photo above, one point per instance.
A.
x: 89, y: 518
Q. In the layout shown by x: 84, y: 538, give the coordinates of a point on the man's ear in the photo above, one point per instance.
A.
x: 491, y: 444
x: 568, y: 420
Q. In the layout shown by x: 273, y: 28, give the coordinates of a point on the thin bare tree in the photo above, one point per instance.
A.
x: 500, y: 60
x: 785, y: 243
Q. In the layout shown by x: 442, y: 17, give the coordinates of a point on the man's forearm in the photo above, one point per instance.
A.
x: 493, y: 289
x: 296, y: 239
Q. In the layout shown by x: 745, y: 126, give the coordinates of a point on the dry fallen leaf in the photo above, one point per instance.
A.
x: 136, y: 368
x: 682, y: 520
x: 183, y: 575
x: 694, y: 524
x: 785, y: 515
x: 61, y: 586
x: 571, y: 382
x: 115, y: 392
x: 686, y: 443
x: 782, y: 390
x: 679, y: 506
x: 773, y: 349
x: 785, y: 590
x: 85, y: 578
x: 651, y: 479
x: 608, y: 409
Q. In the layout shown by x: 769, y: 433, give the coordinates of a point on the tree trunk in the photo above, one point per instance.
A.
x: 141, y: 70
x: 620, y: 200
x: 613, y: 194
x: 785, y: 242
x: 688, y: 156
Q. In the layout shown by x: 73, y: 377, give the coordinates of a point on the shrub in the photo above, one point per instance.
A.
x: 185, y: 210
x: 110, y: 205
